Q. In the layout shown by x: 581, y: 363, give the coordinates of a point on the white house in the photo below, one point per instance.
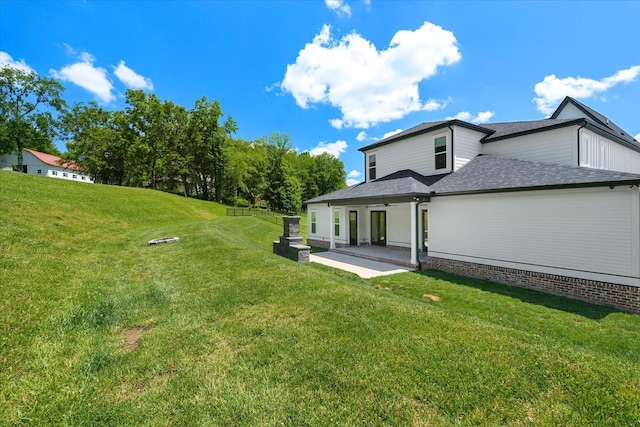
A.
x: 550, y: 204
x: 37, y: 163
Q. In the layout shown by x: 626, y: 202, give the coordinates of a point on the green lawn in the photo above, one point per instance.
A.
x: 97, y: 328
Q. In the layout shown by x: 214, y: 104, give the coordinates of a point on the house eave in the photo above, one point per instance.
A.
x: 610, y: 184
x: 380, y: 200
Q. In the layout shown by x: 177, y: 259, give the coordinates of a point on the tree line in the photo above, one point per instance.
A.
x: 162, y: 145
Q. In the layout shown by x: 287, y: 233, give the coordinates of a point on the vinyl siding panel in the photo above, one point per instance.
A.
x: 466, y: 145
x: 599, y: 152
x: 584, y: 233
x: 399, y: 225
x: 553, y: 146
x: 416, y: 153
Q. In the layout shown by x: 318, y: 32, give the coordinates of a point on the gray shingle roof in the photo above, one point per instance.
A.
x: 405, y: 183
x: 510, y: 129
x: 488, y: 173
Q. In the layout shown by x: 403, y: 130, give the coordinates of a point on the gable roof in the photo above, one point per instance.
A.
x: 596, y: 117
x: 52, y: 160
x: 488, y: 173
x: 399, y: 186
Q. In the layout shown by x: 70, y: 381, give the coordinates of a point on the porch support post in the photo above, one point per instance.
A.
x: 414, y: 232
x: 332, y: 237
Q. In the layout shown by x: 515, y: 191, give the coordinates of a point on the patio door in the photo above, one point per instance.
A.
x: 353, y: 228
x: 379, y: 228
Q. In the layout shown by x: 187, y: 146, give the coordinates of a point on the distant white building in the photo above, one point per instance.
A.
x: 37, y: 163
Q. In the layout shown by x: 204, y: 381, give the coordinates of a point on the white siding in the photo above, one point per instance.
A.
x: 570, y: 111
x: 416, y: 153
x: 466, y: 145
x: 399, y: 225
x: 322, y: 222
x: 554, y: 146
x: 599, y: 152
x: 584, y: 233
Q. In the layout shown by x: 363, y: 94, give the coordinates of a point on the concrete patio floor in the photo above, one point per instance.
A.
x: 367, y: 261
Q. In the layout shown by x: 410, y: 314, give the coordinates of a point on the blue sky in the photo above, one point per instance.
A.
x: 337, y: 75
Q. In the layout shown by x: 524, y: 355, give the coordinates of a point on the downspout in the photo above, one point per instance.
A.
x: 419, y: 201
x: 453, y: 157
x: 578, y: 143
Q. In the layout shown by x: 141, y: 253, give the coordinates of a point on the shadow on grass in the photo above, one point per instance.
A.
x: 581, y: 308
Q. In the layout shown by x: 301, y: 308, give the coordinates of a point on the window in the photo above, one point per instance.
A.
x: 64, y: 174
x: 372, y: 167
x: 83, y: 178
x: 54, y: 173
x: 584, y: 152
x: 313, y: 222
x: 39, y: 171
x: 440, y: 151
x: 603, y: 156
x: 75, y: 176
x: 336, y: 223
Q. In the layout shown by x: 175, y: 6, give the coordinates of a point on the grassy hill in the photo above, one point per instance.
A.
x: 97, y: 328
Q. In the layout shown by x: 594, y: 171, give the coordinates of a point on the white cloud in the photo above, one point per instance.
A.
x: 552, y: 90
x: 391, y: 133
x: 132, y: 79
x: 351, y: 177
x: 482, y: 117
x: 361, y: 136
x: 87, y: 76
x: 338, y: 6
x: 637, y: 137
x: 367, y: 85
x: 333, y: 148
x: 6, y: 61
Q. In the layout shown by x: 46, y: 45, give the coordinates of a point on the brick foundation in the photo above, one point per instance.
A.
x: 621, y: 297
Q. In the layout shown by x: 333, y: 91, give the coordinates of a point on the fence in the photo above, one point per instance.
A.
x: 265, y: 214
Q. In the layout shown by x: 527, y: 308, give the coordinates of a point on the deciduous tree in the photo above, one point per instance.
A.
x: 29, y: 105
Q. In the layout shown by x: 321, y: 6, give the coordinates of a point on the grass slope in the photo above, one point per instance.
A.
x: 96, y: 328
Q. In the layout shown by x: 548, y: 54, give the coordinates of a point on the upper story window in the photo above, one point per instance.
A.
x: 585, y: 152
x: 602, y: 164
x: 440, y: 152
x: 372, y: 167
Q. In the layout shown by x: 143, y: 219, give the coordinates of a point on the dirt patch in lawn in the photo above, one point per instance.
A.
x: 131, y: 338
x: 431, y: 297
